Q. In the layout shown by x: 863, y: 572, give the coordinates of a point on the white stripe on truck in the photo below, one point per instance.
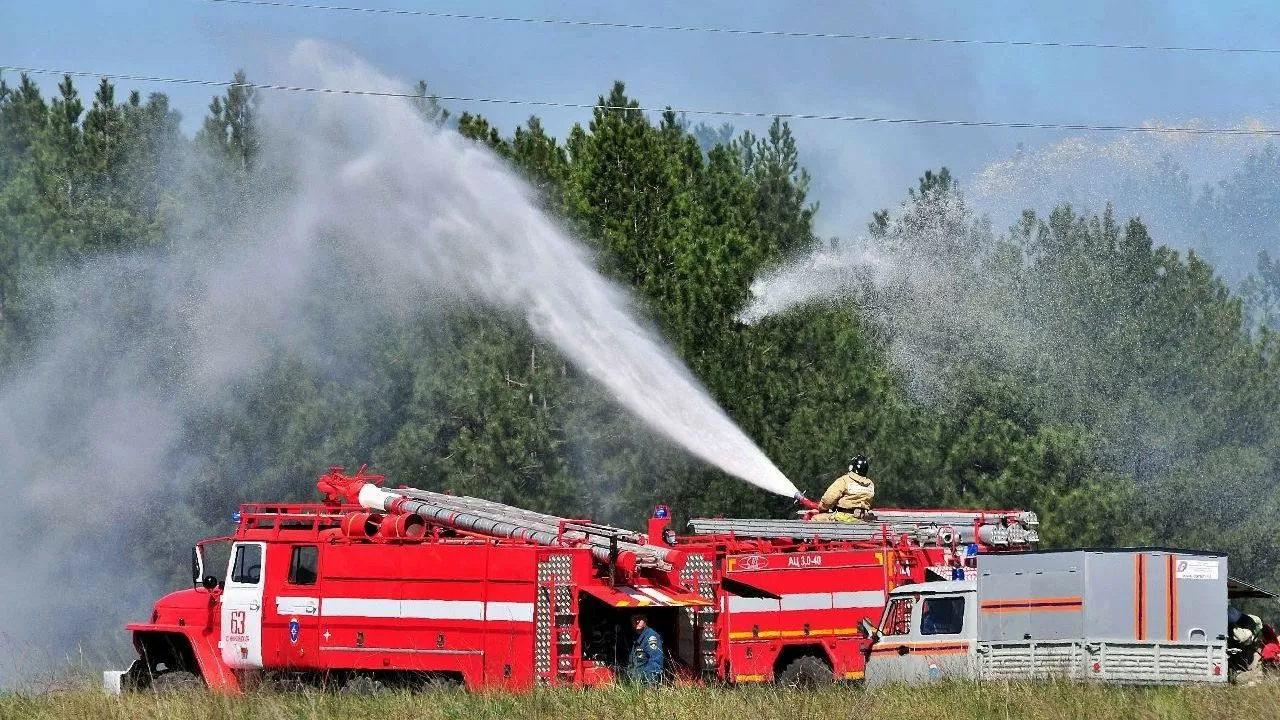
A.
x: 426, y: 609
x: 808, y: 601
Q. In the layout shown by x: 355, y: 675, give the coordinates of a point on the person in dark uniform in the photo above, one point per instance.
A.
x: 646, y: 654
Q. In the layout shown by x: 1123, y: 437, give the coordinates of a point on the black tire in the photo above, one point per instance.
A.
x: 136, y: 678
x: 363, y: 685
x: 806, y: 671
x: 176, y: 681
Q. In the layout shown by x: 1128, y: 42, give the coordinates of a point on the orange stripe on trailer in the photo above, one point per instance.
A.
x: 925, y: 648
x: 1053, y: 604
x: 1140, y: 596
x: 1026, y: 608
x: 1033, y: 601
x: 1171, y: 595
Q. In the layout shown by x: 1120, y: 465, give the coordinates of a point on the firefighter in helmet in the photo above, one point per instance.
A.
x: 849, y: 497
x: 646, y: 653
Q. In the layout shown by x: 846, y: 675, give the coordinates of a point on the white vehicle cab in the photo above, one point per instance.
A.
x: 926, y: 632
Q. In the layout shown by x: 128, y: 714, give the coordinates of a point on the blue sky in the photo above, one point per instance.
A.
x: 856, y: 168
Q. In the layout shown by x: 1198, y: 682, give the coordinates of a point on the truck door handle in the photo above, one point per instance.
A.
x: 254, y: 606
x: 903, y: 649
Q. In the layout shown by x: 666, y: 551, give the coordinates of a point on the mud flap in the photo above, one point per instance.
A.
x: 115, y: 682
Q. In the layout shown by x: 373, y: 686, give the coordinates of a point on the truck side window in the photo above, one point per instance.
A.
x: 897, y: 619
x: 303, y: 564
x: 248, y: 565
x: 942, y: 616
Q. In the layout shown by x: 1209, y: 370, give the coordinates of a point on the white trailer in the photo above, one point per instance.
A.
x: 1128, y: 616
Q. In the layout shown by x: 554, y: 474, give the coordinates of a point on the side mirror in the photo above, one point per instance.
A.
x: 868, y: 629
x: 209, y: 582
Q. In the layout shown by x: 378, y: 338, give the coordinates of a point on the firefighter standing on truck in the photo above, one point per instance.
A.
x: 849, y: 497
x: 646, y: 654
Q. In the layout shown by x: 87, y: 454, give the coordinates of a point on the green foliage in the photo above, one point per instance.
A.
x: 429, y: 105
x: 75, y: 183
x: 1262, y: 293
x: 1142, y: 409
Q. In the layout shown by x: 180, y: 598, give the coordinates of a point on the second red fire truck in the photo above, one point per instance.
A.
x: 399, y: 585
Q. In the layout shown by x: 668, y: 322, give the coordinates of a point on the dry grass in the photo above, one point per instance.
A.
x: 1051, y: 701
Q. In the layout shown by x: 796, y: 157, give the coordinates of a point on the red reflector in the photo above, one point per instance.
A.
x: 1097, y: 667
x: 1217, y: 670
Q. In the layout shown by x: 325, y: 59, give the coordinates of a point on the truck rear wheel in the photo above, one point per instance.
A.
x: 806, y: 671
x: 363, y: 685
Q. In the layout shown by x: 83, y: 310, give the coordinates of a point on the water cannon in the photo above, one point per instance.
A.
x: 805, y: 502
x: 339, y: 488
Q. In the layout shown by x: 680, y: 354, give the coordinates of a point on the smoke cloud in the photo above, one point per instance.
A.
x: 1217, y: 194
x: 919, y: 285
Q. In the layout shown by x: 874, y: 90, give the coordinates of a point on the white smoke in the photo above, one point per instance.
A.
x: 846, y: 270
x: 1182, y: 185
x: 917, y: 285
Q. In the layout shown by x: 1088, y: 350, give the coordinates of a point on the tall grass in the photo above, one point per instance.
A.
x: 1049, y: 701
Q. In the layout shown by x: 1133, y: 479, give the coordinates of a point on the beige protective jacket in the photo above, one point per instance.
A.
x: 850, y: 491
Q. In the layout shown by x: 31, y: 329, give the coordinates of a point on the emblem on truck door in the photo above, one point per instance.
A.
x: 294, y: 628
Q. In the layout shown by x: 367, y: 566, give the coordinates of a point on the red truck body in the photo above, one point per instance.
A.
x: 331, y: 591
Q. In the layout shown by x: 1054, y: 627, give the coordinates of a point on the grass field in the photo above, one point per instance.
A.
x: 936, y: 702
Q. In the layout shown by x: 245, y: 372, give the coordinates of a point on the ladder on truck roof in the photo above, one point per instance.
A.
x: 1001, y: 530
x: 496, y: 519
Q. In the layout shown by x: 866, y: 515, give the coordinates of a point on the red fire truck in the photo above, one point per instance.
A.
x: 390, y: 586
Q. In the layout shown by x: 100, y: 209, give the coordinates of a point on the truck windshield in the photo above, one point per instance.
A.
x: 942, y: 616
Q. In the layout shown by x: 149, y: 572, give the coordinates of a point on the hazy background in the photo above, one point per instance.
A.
x: 856, y: 168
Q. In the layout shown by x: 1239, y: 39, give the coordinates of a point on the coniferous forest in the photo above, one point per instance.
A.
x: 1141, y: 406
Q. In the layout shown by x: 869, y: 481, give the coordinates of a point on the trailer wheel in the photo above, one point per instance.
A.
x: 176, y: 681
x: 806, y: 671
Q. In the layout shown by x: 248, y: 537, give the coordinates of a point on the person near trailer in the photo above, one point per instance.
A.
x: 849, y: 497
x: 1245, y: 640
x: 646, y: 653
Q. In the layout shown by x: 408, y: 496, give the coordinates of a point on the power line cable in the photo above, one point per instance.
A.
x: 870, y: 119
x: 748, y: 31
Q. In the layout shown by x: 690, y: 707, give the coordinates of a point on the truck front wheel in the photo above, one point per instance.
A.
x: 176, y: 681
x: 806, y: 671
